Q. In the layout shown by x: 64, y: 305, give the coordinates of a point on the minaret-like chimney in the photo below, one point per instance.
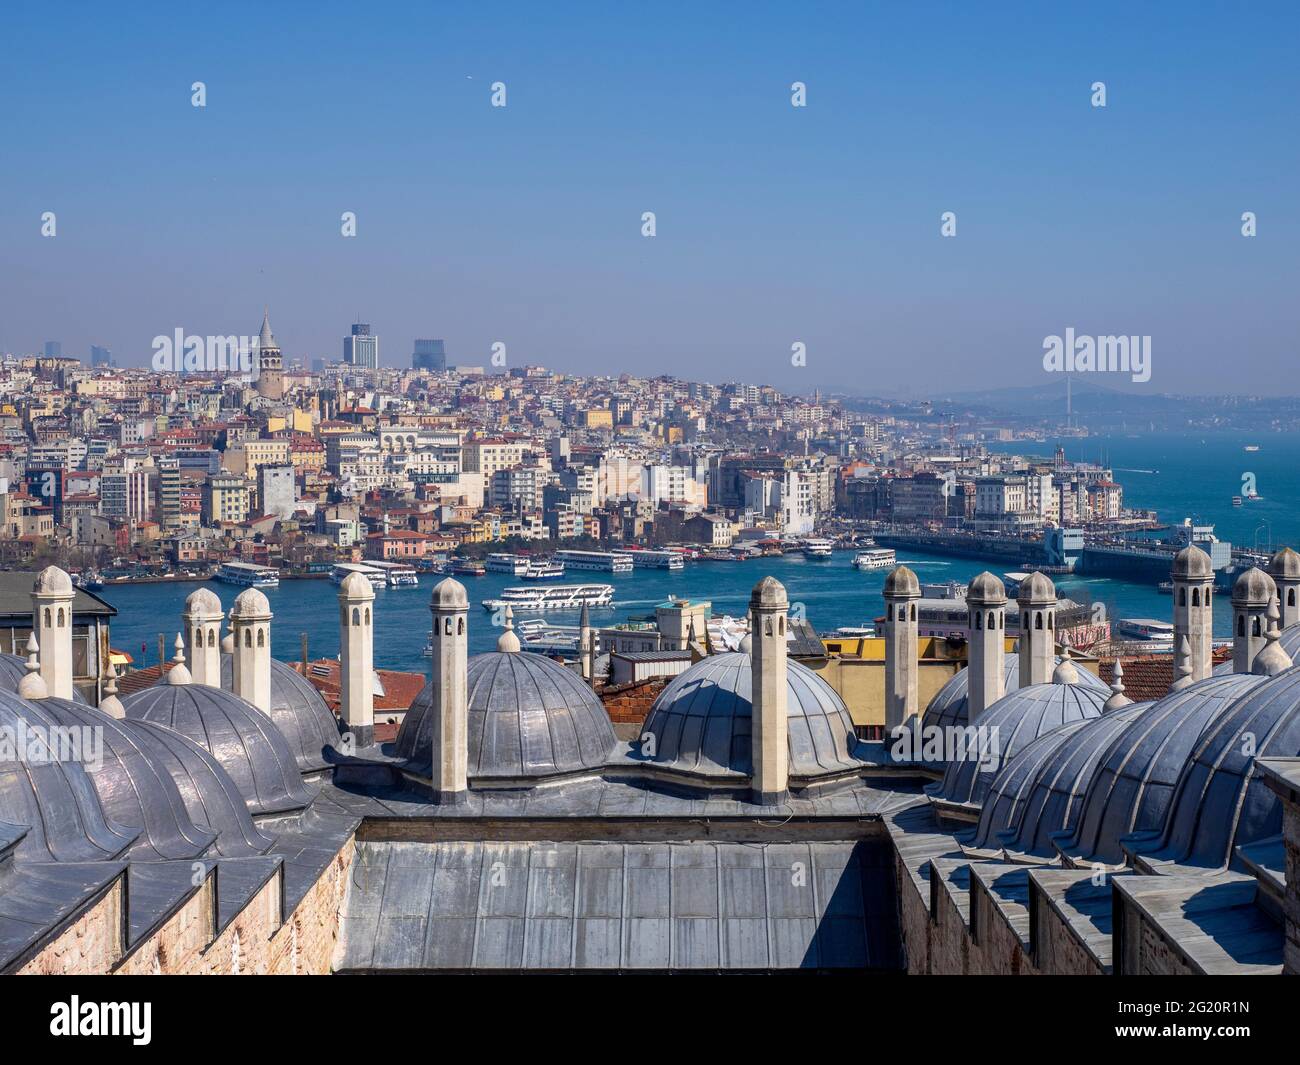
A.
x: 357, y: 658
x: 902, y: 648
x: 1182, y: 665
x: 1284, y: 568
x: 201, y: 622
x: 986, y: 601
x: 585, y: 652
x: 1252, y: 595
x: 32, y: 685
x: 449, y: 692
x: 251, y: 623
x: 1037, y: 599
x: 769, y: 733
x: 52, y: 595
x: 1193, y: 577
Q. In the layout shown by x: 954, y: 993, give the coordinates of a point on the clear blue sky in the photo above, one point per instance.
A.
x: 775, y: 224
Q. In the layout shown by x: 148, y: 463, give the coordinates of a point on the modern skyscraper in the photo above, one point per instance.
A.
x: 270, y: 365
x: 100, y: 356
x: 429, y: 355
x: 361, y: 349
x: 53, y: 349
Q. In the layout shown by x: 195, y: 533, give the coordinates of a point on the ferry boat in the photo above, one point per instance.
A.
x: 817, y: 549
x: 505, y: 562
x: 875, y: 558
x: 467, y: 567
x: 553, y: 597
x: 247, y: 575
x: 720, y: 554
x: 1236, y: 501
x: 398, y: 574
x: 542, y: 570
x: 657, y: 559
x: 1145, y: 630
x: 606, y: 561
x: 1251, y: 447
x: 377, y: 577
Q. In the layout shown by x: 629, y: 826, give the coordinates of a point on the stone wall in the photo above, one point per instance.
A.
x: 914, y: 918
x: 1291, y: 833
x: 996, y: 949
x: 91, y: 944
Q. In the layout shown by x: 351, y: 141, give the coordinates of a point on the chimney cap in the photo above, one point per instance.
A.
x: 251, y: 604
x: 1285, y: 565
x: 1192, y: 563
x: 986, y: 589
x: 449, y: 594
x: 1253, y: 587
x: 902, y: 584
x: 356, y: 586
x: 52, y: 581
x: 1036, y: 590
x: 203, y: 603
x: 769, y: 594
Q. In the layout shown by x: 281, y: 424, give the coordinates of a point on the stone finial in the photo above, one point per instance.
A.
x: 1182, y: 666
x: 1117, y: 697
x: 33, y: 686
x: 179, y: 673
x: 1066, y: 671
x: 508, y: 641
x: 110, y: 704
x: 1272, y: 660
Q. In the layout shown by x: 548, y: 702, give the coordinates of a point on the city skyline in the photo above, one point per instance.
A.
x: 774, y: 225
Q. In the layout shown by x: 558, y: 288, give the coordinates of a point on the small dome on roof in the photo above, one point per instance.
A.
x: 1036, y: 590
x: 528, y: 717
x: 252, y: 603
x: 702, y: 721
x: 203, y: 602
x: 1253, y: 587
x: 298, y: 710
x: 450, y: 594
x: 948, y: 708
x: 52, y: 581
x: 1192, y: 562
x: 134, y: 790
x: 244, y: 740
x: 53, y: 797
x: 902, y: 584
x: 986, y: 589
x: 1285, y: 565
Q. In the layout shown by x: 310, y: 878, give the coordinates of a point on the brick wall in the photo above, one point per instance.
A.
x: 628, y: 704
x: 914, y: 913
x: 91, y: 944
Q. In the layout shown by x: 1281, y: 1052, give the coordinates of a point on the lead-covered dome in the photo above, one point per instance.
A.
x: 528, y: 717
x: 1219, y: 804
x: 298, y: 711
x: 12, y: 670
x: 244, y: 740
x: 50, y: 793
x: 949, y: 706
x: 133, y: 789
x: 701, y: 722
x: 1006, y: 728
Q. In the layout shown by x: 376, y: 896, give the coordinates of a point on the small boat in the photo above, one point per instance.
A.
x: 553, y: 597
x: 467, y: 567
x: 1236, y: 501
x: 1251, y: 447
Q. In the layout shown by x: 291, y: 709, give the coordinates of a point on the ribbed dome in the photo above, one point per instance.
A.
x: 948, y: 708
x: 12, y: 670
x: 134, y: 790
x: 1253, y: 587
x: 1134, y: 784
x: 242, y: 738
x: 1218, y: 804
x: 987, y: 589
x: 902, y: 584
x: 1010, y: 725
x: 210, y: 796
x: 1285, y: 565
x: 55, y: 799
x: 1038, y: 794
x: 1192, y: 562
x: 298, y: 710
x: 528, y: 717
x: 701, y: 722
x: 1036, y: 590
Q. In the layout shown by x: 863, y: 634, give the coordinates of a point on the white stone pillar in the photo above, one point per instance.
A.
x: 1037, y: 600
x: 769, y: 735
x: 357, y: 658
x: 902, y: 649
x: 449, y: 691
x: 986, y: 601
x: 1193, y: 578
x: 251, y: 622
x: 52, y: 595
x: 201, y: 623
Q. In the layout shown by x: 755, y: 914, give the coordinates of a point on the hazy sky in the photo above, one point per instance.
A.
x: 775, y: 224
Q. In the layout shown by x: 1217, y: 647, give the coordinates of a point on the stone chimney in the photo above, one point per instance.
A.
x: 586, y: 651
x: 1193, y: 578
x: 52, y: 595
x: 449, y: 692
x: 251, y: 625
x: 1284, y: 568
x: 769, y: 739
x: 986, y: 602
x: 357, y: 658
x: 1037, y: 599
x: 902, y: 648
x: 1252, y: 595
x: 201, y: 622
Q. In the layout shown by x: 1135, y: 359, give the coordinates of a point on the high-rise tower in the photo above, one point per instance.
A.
x: 270, y: 365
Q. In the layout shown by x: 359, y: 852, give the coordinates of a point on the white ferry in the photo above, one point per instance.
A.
x: 247, y: 575
x: 875, y: 558
x: 543, y: 570
x: 505, y: 562
x: 657, y: 559
x: 377, y: 577
x: 606, y: 561
x: 398, y: 574
x: 1146, y: 630
x: 552, y: 597
x: 817, y: 549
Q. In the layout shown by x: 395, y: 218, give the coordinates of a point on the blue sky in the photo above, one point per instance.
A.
x: 775, y: 224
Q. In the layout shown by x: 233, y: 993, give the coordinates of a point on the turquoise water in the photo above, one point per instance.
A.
x: 1198, y: 475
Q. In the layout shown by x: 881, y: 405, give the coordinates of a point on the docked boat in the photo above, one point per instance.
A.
x: 505, y: 562
x: 720, y: 554
x: 875, y: 558
x: 1145, y: 630
x: 552, y: 597
x: 543, y: 570
x: 657, y: 559
x: 817, y: 549
x: 605, y: 561
x: 247, y: 575
x: 376, y: 576
x: 398, y: 574
x: 467, y: 567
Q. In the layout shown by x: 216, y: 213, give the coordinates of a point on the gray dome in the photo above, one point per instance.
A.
x: 902, y: 584
x: 948, y: 708
x: 238, y: 735
x: 134, y: 790
x: 528, y: 717
x: 210, y: 796
x: 701, y: 722
x: 1253, y: 587
x: 986, y: 589
x: 298, y: 710
x: 1192, y: 562
x: 1285, y: 565
x: 1041, y: 790
x: 1289, y: 641
x: 1134, y: 784
x: 1011, y: 724
x: 12, y: 670
x: 1219, y: 804
x: 1036, y: 590
x: 55, y: 800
